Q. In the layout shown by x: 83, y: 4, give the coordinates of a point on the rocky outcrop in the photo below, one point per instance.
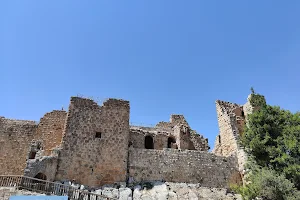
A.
x: 167, y: 190
x: 149, y: 191
x: 177, y: 191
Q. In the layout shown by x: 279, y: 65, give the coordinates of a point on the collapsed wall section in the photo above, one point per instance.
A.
x: 42, y: 152
x: 138, y: 135
x: 183, y: 166
x: 38, y: 165
x: 95, y: 143
x: 231, y: 121
x: 15, y: 139
x: 180, y: 137
x: 50, y: 130
x: 174, y: 120
x: 173, y: 134
x: 200, y: 143
x: 45, y: 165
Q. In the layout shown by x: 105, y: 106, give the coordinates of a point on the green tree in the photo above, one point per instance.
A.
x: 252, y: 90
x: 272, y: 136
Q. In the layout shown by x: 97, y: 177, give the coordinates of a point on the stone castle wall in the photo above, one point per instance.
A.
x: 177, y: 130
x: 229, y: 117
x: 95, y: 144
x: 15, y: 140
x: 50, y: 130
x: 183, y: 166
x: 17, y: 136
x: 138, y: 134
x: 232, y: 120
x: 174, y: 120
x: 182, y: 139
x: 90, y: 144
x: 46, y: 165
x: 200, y: 143
x: 182, y: 134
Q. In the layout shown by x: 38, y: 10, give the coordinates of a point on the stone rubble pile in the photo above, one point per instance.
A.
x: 171, y: 191
x: 147, y: 191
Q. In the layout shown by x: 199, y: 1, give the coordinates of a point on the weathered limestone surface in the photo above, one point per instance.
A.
x: 199, y: 142
x: 90, y: 144
x: 232, y: 120
x: 177, y: 129
x: 50, y: 130
x: 15, y: 140
x: 159, y: 191
x: 46, y: 165
x: 89, y: 158
x: 174, y: 120
x: 178, y: 191
x: 16, y: 137
x: 138, y: 134
x: 228, y: 113
x: 183, y: 166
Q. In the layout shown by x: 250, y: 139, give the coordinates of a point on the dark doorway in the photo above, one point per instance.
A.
x: 39, y: 184
x: 32, y: 155
x: 41, y: 176
x: 149, y: 142
x: 171, y: 141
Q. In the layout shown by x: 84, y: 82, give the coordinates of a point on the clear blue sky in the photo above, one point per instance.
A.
x: 164, y: 56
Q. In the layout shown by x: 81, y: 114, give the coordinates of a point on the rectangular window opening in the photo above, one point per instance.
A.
x: 32, y: 155
x: 98, y: 135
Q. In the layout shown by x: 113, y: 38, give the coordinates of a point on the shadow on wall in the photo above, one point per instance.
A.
x: 41, y: 176
x: 171, y: 142
x: 149, y: 142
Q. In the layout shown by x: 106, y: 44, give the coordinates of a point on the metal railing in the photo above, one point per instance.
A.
x: 48, y: 188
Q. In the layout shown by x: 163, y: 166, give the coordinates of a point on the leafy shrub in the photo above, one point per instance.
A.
x: 266, y: 184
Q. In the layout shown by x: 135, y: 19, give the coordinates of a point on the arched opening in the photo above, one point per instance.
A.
x: 41, y: 176
x: 171, y: 141
x: 39, y: 183
x: 149, y: 142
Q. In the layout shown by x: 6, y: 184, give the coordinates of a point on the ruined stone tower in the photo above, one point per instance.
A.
x: 95, y: 142
x: 232, y: 119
